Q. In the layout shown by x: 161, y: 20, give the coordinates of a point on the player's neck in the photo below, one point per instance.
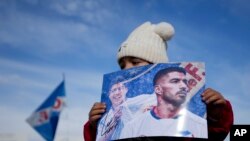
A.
x: 166, y: 111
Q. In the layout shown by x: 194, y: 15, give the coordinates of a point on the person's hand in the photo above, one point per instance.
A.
x: 96, y: 112
x: 212, y: 97
x: 215, y: 103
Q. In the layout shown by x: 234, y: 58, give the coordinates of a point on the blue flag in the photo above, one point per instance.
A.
x: 45, y: 118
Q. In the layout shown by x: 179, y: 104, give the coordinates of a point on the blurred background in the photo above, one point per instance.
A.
x: 42, y: 39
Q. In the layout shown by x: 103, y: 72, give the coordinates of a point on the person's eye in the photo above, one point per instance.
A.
x: 175, y: 81
x: 135, y: 62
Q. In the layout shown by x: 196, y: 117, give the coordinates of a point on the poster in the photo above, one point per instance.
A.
x: 154, y: 100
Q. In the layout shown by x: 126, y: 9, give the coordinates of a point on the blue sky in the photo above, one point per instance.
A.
x: 42, y: 39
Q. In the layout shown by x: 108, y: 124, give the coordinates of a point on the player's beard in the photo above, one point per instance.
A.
x: 177, y: 100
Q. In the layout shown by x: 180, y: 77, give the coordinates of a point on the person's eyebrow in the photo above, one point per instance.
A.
x: 137, y: 59
x: 174, y: 79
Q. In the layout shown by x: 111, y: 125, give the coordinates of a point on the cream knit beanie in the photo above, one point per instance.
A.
x: 148, y: 42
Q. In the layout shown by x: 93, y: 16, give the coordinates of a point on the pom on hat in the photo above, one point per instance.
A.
x: 164, y: 30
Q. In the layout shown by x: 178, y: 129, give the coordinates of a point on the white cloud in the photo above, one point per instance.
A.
x: 27, y: 30
x: 94, y: 12
x: 69, y: 8
x: 43, y: 36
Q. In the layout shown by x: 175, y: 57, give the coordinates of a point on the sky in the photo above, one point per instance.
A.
x: 40, y: 40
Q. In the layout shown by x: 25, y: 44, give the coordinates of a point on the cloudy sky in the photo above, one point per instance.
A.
x: 42, y: 39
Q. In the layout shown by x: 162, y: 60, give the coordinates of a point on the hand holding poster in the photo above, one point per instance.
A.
x: 154, y: 100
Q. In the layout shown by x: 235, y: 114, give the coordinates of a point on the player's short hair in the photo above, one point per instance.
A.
x: 165, y: 71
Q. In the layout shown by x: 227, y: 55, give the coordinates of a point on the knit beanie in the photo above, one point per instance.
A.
x: 148, y: 42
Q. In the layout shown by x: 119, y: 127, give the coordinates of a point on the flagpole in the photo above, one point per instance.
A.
x: 67, y: 116
x: 63, y: 75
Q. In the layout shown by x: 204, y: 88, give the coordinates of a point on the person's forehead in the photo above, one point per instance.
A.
x: 117, y: 85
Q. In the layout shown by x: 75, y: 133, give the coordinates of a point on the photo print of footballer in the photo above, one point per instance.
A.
x: 154, y: 100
